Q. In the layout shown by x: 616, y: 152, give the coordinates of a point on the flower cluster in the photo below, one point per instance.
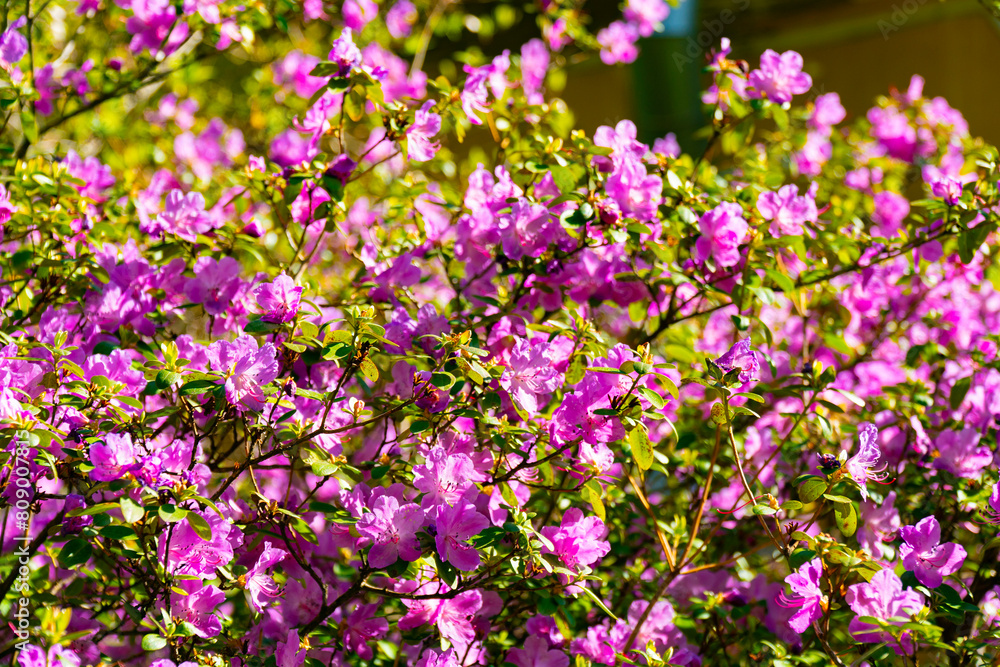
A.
x: 360, y: 357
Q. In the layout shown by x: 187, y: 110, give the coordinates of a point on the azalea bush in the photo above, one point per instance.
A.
x: 329, y: 339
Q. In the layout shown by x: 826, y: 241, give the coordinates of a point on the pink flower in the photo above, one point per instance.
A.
x: 861, y: 466
x: 961, y: 454
x: 741, y: 357
x: 279, y: 299
x: 723, y: 229
x: 452, y: 616
x: 788, y: 211
x: 618, y: 43
x: 883, y: 598
x: 454, y: 526
x: 536, y: 653
x: 345, y: 53
x: 923, y: 554
x: 246, y: 369
x: 13, y: 45
x: 112, y: 458
x: 779, y: 77
x: 190, y: 553
x: 534, y: 65
x: 647, y: 15
x: 878, y: 524
x: 443, y: 477
x: 198, y: 607
x: 529, y: 374
x: 289, y: 653
x: 425, y: 125
x: 806, y: 595
x: 827, y: 112
x: 183, y: 215
x: 393, y: 531
x: 400, y: 19
x: 890, y: 211
x: 579, y: 541
x: 259, y: 584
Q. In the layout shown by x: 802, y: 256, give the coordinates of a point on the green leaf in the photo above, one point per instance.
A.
x: 812, y: 488
x: 75, y: 552
x: 200, y: 526
x: 260, y: 326
x: 117, y: 532
x: 846, y: 518
x: 840, y: 500
x: 28, y: 125
x: 131, y: 510
x: 94, y: 509
x: 369, y: 369
x: 592, y: 492
x: 642, y: 448
x: 153, y: 642
x: 196, y: 387
x: 171, y: 513
x: 167, y: 378
x: 958, y: 392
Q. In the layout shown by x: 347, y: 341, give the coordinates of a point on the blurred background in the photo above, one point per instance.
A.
x: 857, y: 48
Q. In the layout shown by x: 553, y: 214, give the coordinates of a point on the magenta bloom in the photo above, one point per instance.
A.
x: 425, y: 125
x: 529, y: 374
x: 861, y: 466
x: 453, y: 616
x: 883, y: 598
x: 7, y: 209
x: 362, y: 626
x: 400, y: 19
x: 289, y: 653
x: 443, y: 477
x: 638, y: 193
x: 890, y: 211
x: 279, y: 299
x: 827, y: 112
x: 191, y: 554
x: 259, y: 584
x: 215, y: 285
x: 13, y: 45
x: 579, y: 540
x: 96, y: 177
x: 183, y: 215
x: 392, y: 530
x: 454, y: 526
x: 198, y: 607
x: 807, y: 595
x: 779, y: 77
x: 961, y: 454
x: 618, y: 43
x: 435, y: 658
x: 878, y: 524
x: 247, y: 370
x: 536, y: 653
x: 788, y: 211
x: 723, y: 229
x: 741, y: 357
x: 923, y: 554
x: 535, y: 61
x: 112, y: 458
x: 345, y: 53
x: 647, y: 15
